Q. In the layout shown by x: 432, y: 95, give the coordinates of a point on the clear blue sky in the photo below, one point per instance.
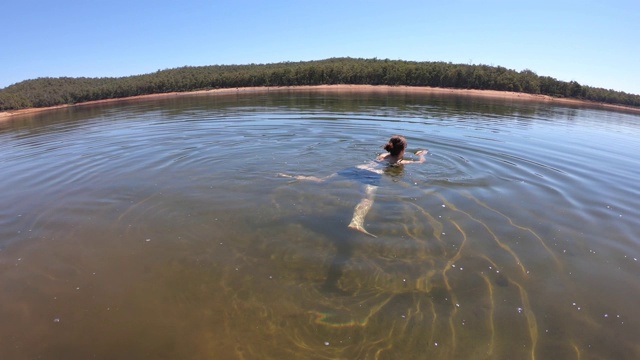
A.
x: 595, y: 43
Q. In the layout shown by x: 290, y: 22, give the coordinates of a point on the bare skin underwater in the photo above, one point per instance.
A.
x: 369, y: 175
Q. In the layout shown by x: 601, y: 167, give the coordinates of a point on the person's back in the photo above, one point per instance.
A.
x: 395, y: 157
x: 369, y: 175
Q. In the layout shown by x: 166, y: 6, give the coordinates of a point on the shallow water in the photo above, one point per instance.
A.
x: 160, y: 230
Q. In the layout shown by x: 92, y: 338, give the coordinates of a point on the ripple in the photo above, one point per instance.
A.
x: 172, y: 213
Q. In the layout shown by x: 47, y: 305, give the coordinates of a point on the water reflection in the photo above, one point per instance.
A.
x: 160, y: 229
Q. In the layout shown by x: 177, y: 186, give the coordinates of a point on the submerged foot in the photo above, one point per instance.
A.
x: 361, y: 229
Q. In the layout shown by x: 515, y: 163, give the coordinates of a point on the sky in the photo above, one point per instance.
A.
x: 595, y: 43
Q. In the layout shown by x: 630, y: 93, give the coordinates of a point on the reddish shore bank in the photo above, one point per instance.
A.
x: 346, y: 89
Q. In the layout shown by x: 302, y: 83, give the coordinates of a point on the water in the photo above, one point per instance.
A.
x: 160, y: 230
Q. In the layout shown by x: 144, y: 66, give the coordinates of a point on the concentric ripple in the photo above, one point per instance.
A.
x: 161, y: 229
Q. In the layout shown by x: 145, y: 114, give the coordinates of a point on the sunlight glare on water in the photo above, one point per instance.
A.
x: 161, y: 229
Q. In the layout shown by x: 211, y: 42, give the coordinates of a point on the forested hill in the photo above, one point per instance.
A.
x: 44, y: 92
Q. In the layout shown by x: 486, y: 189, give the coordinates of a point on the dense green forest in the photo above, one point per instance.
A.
x: 44, y: 92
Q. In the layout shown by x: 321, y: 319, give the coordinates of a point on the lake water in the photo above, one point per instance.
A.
x: 160, y: 229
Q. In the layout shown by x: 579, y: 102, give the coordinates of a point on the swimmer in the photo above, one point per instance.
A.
x: 369, y: 175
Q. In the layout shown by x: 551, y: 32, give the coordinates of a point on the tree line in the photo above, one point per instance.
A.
x: 43, y: 92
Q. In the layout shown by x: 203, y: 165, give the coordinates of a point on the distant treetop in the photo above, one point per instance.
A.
x: 43, y: 92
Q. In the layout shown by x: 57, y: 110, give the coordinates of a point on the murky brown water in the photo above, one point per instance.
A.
x: 160, y: 230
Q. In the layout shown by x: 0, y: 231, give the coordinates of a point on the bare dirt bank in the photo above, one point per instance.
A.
x: 346, y: 89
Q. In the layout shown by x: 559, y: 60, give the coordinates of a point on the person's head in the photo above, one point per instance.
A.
x: 396, y: 145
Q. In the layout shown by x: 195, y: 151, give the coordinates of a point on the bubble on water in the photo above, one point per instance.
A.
x: 326, y: 343
x: 56, y: 320
x: 519, y: 310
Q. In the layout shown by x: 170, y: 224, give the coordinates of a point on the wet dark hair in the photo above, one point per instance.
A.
x: 396, y: 144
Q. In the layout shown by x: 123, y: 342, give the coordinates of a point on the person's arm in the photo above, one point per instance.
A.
x: 421, y: 158
x: 307, y: 178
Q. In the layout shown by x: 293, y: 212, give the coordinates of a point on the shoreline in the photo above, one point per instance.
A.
x: 506, y: 95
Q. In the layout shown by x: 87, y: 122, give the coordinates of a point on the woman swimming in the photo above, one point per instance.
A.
x: 369, y: 175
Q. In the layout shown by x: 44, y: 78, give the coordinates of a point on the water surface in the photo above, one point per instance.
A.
x: 160, y: 230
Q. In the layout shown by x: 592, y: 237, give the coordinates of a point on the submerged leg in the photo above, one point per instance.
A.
x: 361, y: 210
x: 307, y: 178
